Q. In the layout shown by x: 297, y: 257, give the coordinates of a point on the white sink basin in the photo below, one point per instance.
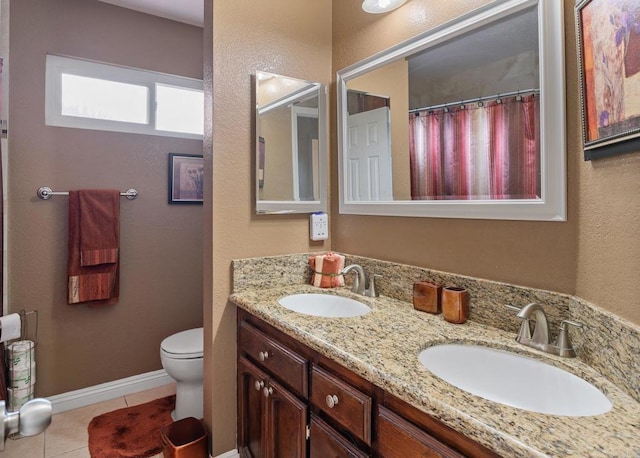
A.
x: 325, y: 305
x: 514, y: 380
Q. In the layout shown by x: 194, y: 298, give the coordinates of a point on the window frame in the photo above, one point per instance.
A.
x: 57, y: 65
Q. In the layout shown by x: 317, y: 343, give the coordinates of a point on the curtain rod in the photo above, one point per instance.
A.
x: 46, y: 193
x: 477, y: 99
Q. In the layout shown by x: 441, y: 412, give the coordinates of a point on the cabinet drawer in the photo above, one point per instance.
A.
x: 397, y: 438
x: 324, y: 441
x: 285, y: 365
x: 343, y: 403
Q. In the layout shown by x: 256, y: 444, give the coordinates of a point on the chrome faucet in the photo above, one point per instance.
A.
x: 361, y: 284
x: 540, y: 338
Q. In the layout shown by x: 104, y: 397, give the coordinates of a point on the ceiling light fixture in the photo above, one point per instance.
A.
x: 381, y: 6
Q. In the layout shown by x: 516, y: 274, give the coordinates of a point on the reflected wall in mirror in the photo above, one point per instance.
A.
x: 464, y: 121
x: 290, y: 145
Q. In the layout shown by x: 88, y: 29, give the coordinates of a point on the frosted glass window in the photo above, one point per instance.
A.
x: 83, y: 94
x: 179, y: 109
x: 101, y: 99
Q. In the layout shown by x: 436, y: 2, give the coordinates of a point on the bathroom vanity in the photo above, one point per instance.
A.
x: 354, y: 386
x: 282, y: 382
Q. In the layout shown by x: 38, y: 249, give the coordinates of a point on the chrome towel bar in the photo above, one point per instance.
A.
x: 46, y: 193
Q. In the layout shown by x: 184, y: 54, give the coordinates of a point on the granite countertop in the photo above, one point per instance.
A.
x: 383, y: 346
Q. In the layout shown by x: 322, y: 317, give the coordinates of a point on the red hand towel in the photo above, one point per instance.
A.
x: 326, y: 268
x: 94, y: 237
x: 99, y: 227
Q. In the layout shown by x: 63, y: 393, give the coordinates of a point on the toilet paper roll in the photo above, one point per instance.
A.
x: 9, y: 327
x: 21, y: 354
x: 22, y: 378
x: 17, y: 397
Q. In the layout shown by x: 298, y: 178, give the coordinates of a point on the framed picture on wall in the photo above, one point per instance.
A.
x: 186, y: 174
x: 609, y: 61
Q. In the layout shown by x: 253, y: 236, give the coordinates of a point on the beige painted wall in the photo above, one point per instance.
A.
x: 161, y: 245
x: 595, y: 254
x: 288, y: 37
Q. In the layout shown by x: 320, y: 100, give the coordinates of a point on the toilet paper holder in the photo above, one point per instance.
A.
x: 24, y: 324
x: 20, y: 361
x: 33, y: 416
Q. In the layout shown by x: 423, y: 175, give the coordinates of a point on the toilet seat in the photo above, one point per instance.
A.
x: 184, y: 345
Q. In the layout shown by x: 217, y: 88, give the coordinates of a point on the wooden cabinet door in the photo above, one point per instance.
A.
x: 251, y: 409
x: 286, y: 423
x: 325, y: 442
x: 397, y: 438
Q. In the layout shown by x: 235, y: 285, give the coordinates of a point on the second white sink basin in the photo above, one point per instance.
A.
x: 514, y: 380
x: 324, y: 305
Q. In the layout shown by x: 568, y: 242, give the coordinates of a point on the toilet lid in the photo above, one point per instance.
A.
x: 185, y: 344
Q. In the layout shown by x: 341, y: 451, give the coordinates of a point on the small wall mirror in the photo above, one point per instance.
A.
x: 463, y: 121
x: 290, y: 145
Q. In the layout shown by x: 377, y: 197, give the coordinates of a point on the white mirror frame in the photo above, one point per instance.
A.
x: 552, y: 204
x: 271, y: 207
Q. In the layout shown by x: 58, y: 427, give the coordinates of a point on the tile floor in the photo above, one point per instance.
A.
x: 67, y: 435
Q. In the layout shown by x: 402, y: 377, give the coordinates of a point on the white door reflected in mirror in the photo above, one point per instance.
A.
x: 369, y: 170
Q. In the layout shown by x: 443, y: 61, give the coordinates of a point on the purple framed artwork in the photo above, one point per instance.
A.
x: 186, y: 174
x: 609, y: 63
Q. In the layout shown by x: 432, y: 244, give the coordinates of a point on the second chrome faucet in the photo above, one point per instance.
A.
x: 362, y: 284
x: 540, y: 338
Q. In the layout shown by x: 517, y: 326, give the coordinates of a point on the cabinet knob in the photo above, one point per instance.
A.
x: 263, y: 355
x: 332, y: 400
x: 259, y: 385
x: 267, y: 391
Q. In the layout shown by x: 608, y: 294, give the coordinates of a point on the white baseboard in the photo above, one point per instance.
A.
x: 110, y: 390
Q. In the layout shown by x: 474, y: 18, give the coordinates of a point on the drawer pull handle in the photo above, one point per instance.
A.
x: 263, y: 355
x: 267, y: 391
x: 332, y: 400
x: 259, y: 385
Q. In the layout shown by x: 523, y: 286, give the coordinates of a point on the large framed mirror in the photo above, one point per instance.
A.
x: 291, y: 152
x: 463, y: 121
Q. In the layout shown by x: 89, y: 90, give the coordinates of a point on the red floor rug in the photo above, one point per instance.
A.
x: 132, y: 432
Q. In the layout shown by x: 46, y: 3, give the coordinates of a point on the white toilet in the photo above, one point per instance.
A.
x: 181, y: 356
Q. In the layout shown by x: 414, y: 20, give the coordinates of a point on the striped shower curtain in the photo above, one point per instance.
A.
x: 489, y: 151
